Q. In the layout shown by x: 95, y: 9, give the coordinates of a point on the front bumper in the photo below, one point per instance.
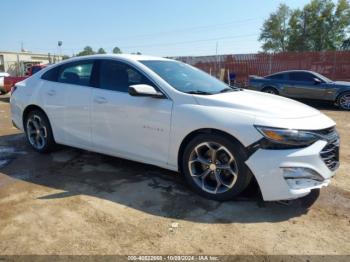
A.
x: 268, y: 168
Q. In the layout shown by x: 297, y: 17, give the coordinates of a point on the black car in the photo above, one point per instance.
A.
x: 302, y: 84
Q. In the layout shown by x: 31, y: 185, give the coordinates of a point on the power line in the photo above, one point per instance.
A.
x: 193, y: 41
x: 190, y: 29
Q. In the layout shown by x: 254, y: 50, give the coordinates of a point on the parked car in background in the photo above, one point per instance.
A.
x: 169, y: 114
x: 10, y: 81
x: 301, y: 84
x: 2, y: 76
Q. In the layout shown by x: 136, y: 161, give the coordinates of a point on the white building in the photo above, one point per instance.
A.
x: 17, y: 63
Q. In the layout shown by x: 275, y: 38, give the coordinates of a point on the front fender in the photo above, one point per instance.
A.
x: 189, y: 117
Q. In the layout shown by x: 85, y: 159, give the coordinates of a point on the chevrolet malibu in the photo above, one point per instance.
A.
x: 166, y: 113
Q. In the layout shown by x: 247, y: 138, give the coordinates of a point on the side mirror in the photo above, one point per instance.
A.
x: 144, y: 90
x: 317, y: 81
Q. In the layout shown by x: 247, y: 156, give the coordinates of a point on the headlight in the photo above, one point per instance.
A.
x: 288, y: 136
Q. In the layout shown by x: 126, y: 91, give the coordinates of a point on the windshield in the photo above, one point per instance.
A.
x: 325, y: 79
x: 186, y: 78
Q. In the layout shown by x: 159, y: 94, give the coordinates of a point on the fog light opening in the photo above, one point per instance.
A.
x: 301, y: 173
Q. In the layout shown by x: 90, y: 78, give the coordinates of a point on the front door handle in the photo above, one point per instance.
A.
x: 100, y: 100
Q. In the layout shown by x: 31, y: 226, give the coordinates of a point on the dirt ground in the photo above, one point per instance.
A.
x: 78, y: 202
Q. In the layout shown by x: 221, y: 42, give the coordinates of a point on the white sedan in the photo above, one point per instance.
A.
x: 169, y: 114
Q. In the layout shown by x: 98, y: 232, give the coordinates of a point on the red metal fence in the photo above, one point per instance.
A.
x: 332, y: 64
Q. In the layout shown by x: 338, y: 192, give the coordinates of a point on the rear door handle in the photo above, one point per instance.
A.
x: 100, y: 100
x: 51, y: 92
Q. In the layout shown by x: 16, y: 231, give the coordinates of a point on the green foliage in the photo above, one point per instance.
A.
x: 101, y: 51
x: 320, y: 25
x: 346, y: 44
x: 274, y: 33
x: 87, y: 51
x: 116, y: 50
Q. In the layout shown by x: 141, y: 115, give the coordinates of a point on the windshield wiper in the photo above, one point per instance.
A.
x: 228, y: 89
x: 198, y: 92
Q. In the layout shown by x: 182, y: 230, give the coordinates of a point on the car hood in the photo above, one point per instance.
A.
x: 258, y: 104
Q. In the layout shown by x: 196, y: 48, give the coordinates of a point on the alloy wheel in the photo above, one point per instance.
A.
x: 36, y: 132
x: 213, y: 167
x: 344, y: 101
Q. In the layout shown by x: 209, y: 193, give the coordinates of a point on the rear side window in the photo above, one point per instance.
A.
x: 36, y: 69
x: 276, y: 77
x: 118, y: 76
x: 51, y: 75
x: 301, y: 76
x: 77, y: 73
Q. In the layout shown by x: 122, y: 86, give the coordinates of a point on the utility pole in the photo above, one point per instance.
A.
x: 217, y: 60
x: 59, y: 43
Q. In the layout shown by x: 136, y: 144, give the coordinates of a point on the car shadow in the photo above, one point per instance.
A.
x: 143, y: 187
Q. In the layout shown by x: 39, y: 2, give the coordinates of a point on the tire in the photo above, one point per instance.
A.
x: 38, y: 132
x: 270, y: 90
x: 203, y: 175
x: 343, y: 101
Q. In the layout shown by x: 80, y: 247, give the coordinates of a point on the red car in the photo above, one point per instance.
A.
x: 10, y: 81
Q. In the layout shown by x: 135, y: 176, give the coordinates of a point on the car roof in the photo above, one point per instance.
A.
x: 292, y: 71
x: 129, y: 57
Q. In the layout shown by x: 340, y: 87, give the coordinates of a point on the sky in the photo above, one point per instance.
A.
x: 153, y: 27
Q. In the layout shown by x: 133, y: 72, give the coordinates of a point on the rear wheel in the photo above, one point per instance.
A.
x: 270, y: 90
x: 38, y: 132
x: 344, y: 101
x: 214, y: 167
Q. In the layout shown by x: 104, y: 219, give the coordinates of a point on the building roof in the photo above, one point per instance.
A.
x: 26, y: 53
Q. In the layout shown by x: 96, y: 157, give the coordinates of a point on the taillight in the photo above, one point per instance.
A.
x: 13, y: 89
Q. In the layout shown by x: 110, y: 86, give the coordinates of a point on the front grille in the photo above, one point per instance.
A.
x: 330, y: 153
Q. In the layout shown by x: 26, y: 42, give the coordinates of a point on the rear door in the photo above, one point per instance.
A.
x: 67, y: 101
x: 303, y: 85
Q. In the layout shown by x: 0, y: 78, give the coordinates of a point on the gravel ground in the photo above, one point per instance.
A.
x: 78, y: 202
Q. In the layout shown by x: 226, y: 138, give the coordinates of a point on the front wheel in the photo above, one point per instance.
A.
x: 344, y: 101
x: 214, y: 167
x: 38, y: 132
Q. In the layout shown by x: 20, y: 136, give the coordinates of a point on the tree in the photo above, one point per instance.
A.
x: 116, y: 50
x: 346, y: 44
x: 101, y: 51
x: 320, y: 25
x: 65, y: 57
x: 87, y: 51
x: 274, y: 33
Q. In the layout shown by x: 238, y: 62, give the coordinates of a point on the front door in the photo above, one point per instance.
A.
x: 133, y: 127
x: 303, y: 85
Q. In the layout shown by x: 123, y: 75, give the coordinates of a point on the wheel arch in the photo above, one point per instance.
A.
x: 342, y: 92
x: 270, y: 87
x: 197, y: 132
x: 29, y: 109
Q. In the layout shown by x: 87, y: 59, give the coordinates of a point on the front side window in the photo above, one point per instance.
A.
x: 301, y: 76
x: 118, y: 76
x: 186, y: 78
x: 76, y: 73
